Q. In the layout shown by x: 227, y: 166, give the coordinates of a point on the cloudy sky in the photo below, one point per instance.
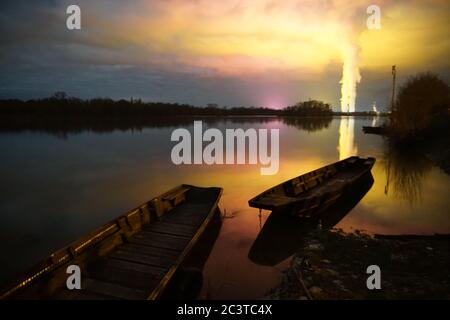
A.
x: 249, y: 52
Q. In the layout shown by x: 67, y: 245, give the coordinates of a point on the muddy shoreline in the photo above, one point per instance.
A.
x: 332, y: 265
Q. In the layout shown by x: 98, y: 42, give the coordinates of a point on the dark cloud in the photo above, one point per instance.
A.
x: 39, y: 56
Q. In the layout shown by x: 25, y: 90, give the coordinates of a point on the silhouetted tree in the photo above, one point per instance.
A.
x: 418, y: 100
x: 309, y: 108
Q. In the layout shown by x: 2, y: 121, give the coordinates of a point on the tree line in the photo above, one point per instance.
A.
x: 62, y: 105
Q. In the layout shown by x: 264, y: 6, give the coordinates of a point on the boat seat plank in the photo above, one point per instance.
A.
x: 133, y: 266
x: 191, y: 214
x: 128, y: 278
x: 152, y: 235
x: 171, y: 228
x: 149, y: 251
x: 156, y: 261
x: 167, y: 232
x: 163, y: 242
x: 112, y: 289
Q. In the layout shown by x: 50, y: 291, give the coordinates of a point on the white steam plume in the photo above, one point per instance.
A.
x: 350, y: 78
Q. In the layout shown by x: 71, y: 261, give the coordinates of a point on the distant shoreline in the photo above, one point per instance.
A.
x: 62, y: 115
x: 62, y: 106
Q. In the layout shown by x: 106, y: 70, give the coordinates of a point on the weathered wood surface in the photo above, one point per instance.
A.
x: 313, y: 190
x: 140, y: 264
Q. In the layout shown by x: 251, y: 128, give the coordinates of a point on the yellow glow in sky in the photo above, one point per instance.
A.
x: 242, y: 37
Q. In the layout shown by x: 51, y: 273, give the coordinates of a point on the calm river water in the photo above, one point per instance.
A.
x: 57, y: 187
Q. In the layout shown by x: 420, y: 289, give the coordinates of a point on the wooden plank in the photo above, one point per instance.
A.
x: 160, y: 244
x: 156, y: 261
x: 187, y: 218
x: 112, y: 289
x: 127, y: 278
x: 133, y: 266
x: 149, y: 250
x: 208, y: 214
x: 161, y: 241
x: 172, y: 224
x: 172, y: 228
x: 163, y: 232
x: 149, y: 235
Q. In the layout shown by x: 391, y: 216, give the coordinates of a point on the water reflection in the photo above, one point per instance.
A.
x: 405, y: 168
x: 62, y: 127
x: 52, y: 191
x: 283, y: 233
x: 347, y: 146
x: 309, y: 124
x: 375, y: 121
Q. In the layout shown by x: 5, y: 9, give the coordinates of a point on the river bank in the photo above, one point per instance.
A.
x: 332, y: 265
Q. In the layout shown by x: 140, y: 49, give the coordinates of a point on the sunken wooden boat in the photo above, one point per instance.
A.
x: 314, y: 191
x: 135, y: 256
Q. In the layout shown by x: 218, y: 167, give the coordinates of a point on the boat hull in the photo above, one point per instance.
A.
x: 314, y: 191
x: 135, y: 256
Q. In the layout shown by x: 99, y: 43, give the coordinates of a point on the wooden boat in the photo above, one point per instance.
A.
x: 314, y: 191
x: 374, y: 130
x: 283, y: 234
x: 135, y: 256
